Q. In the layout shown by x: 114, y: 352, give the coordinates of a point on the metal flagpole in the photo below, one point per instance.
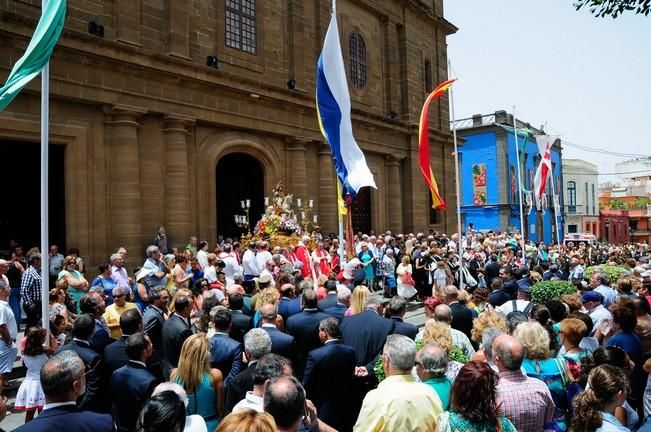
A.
x: 558, y: 231
x: 458, y: 182
x: 517, y: 156
x: 45, y: 265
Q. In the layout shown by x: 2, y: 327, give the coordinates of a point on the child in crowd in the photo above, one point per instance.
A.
x: 30, y: 395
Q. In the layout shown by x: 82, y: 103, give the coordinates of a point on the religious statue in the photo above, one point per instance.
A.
x: 287, y: 204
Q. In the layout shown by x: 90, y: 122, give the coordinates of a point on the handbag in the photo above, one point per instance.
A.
x: 407, y: 279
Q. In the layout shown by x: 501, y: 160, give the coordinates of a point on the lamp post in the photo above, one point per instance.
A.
x: 242, y: 221
x: 305, y: 207
x: 607, y: 226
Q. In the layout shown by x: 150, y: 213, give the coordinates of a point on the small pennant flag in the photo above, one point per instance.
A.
x: 423, y: 146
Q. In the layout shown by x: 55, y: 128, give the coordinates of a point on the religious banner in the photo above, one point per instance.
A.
x: 479, y: 184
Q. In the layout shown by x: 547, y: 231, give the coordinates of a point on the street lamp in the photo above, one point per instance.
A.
x: 607, y: 226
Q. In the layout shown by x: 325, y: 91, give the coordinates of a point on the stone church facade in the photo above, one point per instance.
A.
x: 148, y: 96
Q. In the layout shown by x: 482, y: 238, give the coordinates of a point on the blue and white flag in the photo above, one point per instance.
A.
x: 333, y: 110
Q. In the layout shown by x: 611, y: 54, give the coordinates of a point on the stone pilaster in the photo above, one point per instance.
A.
x: 178, y: 28
x: 124, y: 179
x: 394, y: 187
x: 177, y: 188
x: 297, y: 168
x: 128, y: 21
x: 327, y: 191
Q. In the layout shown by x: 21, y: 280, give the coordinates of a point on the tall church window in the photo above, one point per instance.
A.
x: 241, y: 25
x: 357, y: 59
x: 571, y: 197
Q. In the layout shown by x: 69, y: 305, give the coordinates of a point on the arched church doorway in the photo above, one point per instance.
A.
x: 20, y: 219
x: 239, y: 177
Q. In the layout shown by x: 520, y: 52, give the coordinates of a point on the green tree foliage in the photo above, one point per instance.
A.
x: 641, y: 203
x: 616, y: 204
x: 614, y: 8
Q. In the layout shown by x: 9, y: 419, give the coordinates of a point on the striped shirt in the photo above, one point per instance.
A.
x: 525, y: 401
x: 31, y: 286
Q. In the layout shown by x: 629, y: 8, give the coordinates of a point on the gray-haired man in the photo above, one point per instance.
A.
x: 399, y: 402
x: 257, y: 344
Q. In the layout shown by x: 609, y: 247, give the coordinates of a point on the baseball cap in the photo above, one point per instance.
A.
x: 592, y: 296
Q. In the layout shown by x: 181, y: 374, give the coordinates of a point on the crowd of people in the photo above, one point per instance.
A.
x: 264, y: 338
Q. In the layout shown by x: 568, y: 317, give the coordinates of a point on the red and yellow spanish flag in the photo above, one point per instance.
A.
x: 423, y: 146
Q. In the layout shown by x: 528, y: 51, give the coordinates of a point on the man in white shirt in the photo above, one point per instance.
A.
x: 268, y: 367
x: 263, y: 255
x: 593, y: 302
x: 8, y: 331
x: 230, y: 264
x: 250, y: 264
x: 522, y: 303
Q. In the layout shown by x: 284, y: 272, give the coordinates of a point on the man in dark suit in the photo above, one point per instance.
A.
x: 461, y: 314
x: 240, y: 322
x: 398, y: 307
x: 93, y: 304
x: 366, y: 332
x: 510, y: 278
x: 132, y: 384
x: 96, y: 397
x: 492, y: 270
x: 175, y: 331
x: 304, y: 327
x: 328, y: 378
x: 289, y: 304
x: 343, y: 301
x: 330, y: 299
x: 257, y: 344
x: 115, y: 355
x: 63, y: 381
x: 281, y: 343
x: 154, y: 319
x: 225, y: 353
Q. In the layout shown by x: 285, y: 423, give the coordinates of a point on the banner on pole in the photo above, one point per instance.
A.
x: 38, y: 52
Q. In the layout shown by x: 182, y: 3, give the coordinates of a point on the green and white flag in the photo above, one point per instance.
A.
x: 38, y: 51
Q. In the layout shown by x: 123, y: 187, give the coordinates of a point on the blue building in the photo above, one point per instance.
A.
x: 489, y: 183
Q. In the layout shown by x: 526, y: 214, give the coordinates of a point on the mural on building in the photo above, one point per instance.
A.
x: 479, y: 184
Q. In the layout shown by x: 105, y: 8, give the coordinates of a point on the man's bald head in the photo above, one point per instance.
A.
x: 451, y: 292
x: 236, y: 289
x: 443, y: 313
x: 508, y: 353
x: 268, y: 313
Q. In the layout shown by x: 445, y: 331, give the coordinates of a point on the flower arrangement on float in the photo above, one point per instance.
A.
x: 272, y: 223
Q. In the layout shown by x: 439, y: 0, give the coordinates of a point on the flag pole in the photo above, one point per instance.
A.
x: 45, y: 265
x: 558, y: 232
x: 458, y: 182
x: 517, y: 158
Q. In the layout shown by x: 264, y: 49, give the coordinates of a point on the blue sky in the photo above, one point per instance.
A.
x: 588, y: 78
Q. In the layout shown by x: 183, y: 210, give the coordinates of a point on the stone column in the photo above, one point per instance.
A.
x: 394, y: 187
x: 124, y: 180
x: 327, y: 191
x: 296, y: 168
x: 177, y: 188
